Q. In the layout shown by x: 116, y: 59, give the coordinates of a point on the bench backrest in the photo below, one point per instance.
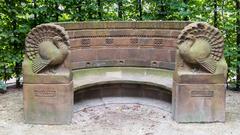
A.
x: 136, y: 44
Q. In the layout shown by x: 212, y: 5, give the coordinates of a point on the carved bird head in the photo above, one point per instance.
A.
x: 56, y: 41
x: 185, y: 47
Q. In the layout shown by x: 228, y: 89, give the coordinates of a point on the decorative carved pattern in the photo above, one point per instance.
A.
x: 46, y: 46
x: 109, y: 41
x: 85, y: 42
x: 158, y: 43
x: 134, y: 40
x: 201, y: 44
x: 97, y: 36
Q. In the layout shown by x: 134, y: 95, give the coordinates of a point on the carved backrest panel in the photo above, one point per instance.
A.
x: 141, y: 44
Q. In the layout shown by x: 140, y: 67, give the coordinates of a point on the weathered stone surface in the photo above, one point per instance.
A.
x: 188, y: 77
x: 56, y: 74
x: 123, y: 90
x: 48, y: 86
x: 48, y: 103
x: 200, y: 46
x: 198, y: 102
x: 124, y: 25
x: 83, y: 78
x: 96, y: 33
x: 65, y: 77
x: 199, y: 77
x: 85, y: 58
x: 47, y: 48
x: 62, y: 74
x: 117, y: 55
x: 139, y: 44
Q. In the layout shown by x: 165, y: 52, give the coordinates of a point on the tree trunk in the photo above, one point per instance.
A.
x: 13, y: 17
x: 79, y: 9
x: 18, y: 72
x: 56, y: 10
x: 99, y: 9
x: 215, y: 23
x: 140, y: 9
x: 238, y: 43
x: 162, y: 10
x: 35, y: 15
x: 120, y: 4
x: 17, y: 68
x: 185, y: 17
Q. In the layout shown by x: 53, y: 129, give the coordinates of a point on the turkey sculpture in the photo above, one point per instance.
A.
x: 46, y: 46
x: 201, y: 44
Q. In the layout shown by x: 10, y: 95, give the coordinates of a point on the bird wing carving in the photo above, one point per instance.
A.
x: 39, y: 64
x: 46, y: 45
x: 206, y: 46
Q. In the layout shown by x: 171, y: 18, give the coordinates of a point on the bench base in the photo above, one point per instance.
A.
x: 198, y: 102
x: 48, y: 103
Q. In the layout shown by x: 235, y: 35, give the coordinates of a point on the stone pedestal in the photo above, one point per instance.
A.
x: 198, y: 97
x: 48, y: 97
x: 48, y: 103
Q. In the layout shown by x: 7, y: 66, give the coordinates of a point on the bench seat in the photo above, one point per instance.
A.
x: 83, y: 78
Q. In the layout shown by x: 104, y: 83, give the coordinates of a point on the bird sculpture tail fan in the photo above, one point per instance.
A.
x: 209, y: 64
x: 39, y: 64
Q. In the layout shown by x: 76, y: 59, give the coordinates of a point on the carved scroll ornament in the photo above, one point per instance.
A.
x: 46, y: 46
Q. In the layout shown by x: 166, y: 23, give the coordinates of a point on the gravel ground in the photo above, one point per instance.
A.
x: 115, y: 119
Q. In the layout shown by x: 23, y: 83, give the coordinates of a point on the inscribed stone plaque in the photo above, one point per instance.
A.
x: 202, y: 93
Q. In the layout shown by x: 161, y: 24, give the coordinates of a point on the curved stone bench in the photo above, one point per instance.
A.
x: 102, y: 53
x: 95, y: 76
x: 133, y: 52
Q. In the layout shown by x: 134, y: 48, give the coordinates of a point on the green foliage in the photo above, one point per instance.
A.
x: 19, y: 16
